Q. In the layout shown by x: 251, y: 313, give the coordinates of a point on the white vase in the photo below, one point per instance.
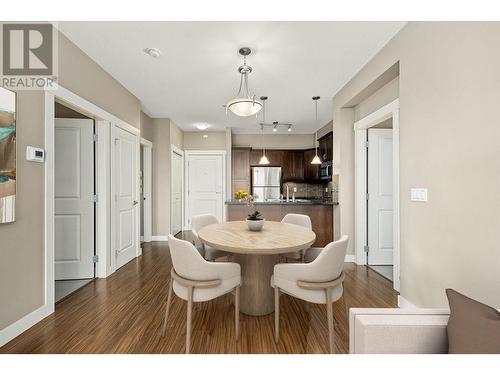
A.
x: 255, y: 225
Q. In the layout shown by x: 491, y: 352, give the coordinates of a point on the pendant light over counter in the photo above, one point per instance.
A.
x: 263, y: 160
x: 316, y: 159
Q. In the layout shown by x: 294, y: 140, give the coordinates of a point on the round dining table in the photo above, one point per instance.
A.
x: 257, y: 253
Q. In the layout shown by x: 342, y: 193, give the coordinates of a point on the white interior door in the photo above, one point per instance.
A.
x: 125, y: 178
x: 205, y: 185
x: 380, y: 202
x: 177, y: 176
x: 74, y: 207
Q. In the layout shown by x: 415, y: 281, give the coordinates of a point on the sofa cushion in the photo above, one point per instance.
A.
x: 473, y: 327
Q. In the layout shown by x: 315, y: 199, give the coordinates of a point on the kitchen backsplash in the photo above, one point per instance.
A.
x: 313, y: 191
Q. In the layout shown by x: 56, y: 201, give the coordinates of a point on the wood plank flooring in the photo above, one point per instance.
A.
x: 123, y: 314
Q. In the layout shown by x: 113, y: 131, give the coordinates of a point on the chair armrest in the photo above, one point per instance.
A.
x: 321, y: 285
x: 194, y: 283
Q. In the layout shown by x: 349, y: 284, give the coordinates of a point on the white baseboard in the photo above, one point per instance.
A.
x: 403, y: 303
x: 27, y: 321
x: 160, y: 238
x: 350, y: 258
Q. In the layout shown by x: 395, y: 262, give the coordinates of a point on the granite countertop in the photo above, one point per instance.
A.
x: 304, y: 202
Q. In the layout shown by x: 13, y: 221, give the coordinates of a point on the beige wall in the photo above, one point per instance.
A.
x: 146, y: 127
x: 161, y: 176
x: 22, y: 249
x: 80, y: 74
x: 176, y: 136
x: 377, y: 100
x: 325, y: 129
x: 195, y: 141
x: 163, y: 133
x: 274, y: 141
x: 449, y: 88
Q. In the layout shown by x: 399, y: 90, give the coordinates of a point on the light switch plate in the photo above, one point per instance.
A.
x: 418, y: 194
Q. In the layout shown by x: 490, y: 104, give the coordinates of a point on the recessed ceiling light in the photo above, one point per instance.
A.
x: 201, y: 126
x: 153, y: 52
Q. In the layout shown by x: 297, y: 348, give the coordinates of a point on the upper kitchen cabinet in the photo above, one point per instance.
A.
x: 325, y: 149
x: 293, y: 166
x: 311, y: 171
x: 275, y: 157
x: 240, y: 170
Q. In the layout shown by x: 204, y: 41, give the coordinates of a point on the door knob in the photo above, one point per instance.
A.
x: 134, y: 202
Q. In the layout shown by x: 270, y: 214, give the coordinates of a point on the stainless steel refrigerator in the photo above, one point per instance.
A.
x: 266, y: 183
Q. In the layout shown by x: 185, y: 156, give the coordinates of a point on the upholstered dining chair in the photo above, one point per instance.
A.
x: 207, y: 252
x: 193, y: 279
x: 300, y: 220
x: 320, y: 281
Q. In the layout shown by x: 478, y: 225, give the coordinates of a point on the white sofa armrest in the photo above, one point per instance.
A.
x: 398, y: 331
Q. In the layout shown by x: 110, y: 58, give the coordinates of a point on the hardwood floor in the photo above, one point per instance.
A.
x: 124, y: 313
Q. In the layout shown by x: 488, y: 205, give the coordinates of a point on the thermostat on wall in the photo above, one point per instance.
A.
x: 35, y: 154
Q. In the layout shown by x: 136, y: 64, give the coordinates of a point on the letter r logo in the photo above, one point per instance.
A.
x: 27, y: 49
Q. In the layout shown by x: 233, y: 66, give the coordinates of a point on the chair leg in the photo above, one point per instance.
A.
x: 237, y: 313
x: 346, y: 309
x: 276, y: 314
x: 167, y: 309
x: 188, y: 323
x: 329, y: 314
x: 306, y: 306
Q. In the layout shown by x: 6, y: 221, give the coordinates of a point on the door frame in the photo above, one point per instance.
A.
x: 104, y: 229
x: 361, y: 127
x: 189, y: 153
x: 147, y: 183
x: 176, y: 150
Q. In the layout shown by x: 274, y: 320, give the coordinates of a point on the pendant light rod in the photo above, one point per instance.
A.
x: 263, y: 160
x: 316, y: 159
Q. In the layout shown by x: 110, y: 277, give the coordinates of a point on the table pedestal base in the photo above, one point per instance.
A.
x: 257, y: 296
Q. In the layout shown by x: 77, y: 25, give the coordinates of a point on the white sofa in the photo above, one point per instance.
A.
x: 398, y: 331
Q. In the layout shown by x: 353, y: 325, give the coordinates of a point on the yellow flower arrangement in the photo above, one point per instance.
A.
x: 241, y: 194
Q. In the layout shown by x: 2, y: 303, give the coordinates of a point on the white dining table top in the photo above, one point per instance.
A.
x: 275, y: 238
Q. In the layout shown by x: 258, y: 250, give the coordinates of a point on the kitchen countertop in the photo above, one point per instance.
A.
x: 301, y: 202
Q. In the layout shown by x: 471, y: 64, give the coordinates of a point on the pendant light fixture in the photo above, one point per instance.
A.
x: 244, y: 104
x: 316, y: 159
x: 263, y: 160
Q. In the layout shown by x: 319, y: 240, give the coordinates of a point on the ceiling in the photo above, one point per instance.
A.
x: 196, y: 73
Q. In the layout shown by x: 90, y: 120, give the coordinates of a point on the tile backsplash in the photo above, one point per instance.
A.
x: 313, y: 191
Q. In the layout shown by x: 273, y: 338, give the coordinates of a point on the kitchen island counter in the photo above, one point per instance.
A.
x: 320, y: 212
x: 300, y: 202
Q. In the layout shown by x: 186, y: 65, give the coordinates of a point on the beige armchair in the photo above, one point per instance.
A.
x: 207, y: 252
x: 320, y: 281
x: 193, y: 279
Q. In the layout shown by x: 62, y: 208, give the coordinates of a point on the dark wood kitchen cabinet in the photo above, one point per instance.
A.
x: 311, y: 171
x: 240, y: 170
x: 275, y: 157
x: 325, y: 149
x: 293, y: 166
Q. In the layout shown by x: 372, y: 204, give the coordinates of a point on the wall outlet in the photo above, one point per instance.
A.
x: 418, y: 194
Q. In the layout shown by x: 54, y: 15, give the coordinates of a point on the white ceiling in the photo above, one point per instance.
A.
x: 197, y: 71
